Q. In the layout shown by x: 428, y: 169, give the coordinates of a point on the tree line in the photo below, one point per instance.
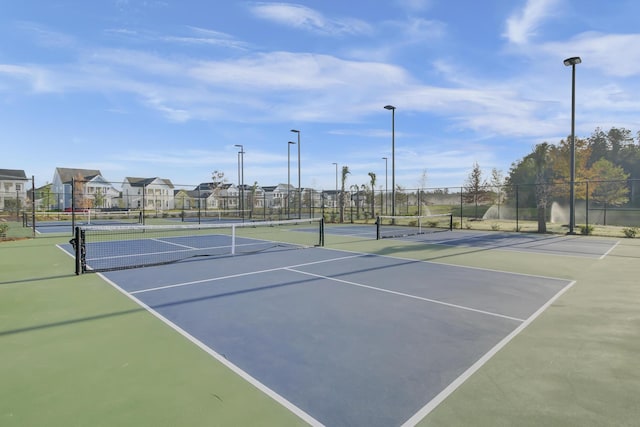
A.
x: 607, y: 167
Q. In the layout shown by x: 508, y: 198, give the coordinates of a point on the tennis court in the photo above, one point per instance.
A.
x: 551, y: 244
x: 338, y: 338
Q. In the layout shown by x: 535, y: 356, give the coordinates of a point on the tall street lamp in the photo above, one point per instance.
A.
x: 241, y: 177
x: 289, y: 175
x: 386, y: 186
x: 335, y: 197
x: 393, y: 157
x: 299, y: 188
x: 572, y: 62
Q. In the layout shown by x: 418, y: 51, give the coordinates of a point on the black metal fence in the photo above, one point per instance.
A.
x: 508, y: 208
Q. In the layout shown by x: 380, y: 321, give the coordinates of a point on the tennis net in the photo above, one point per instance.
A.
x: 88, y: 217
x: 105, y: 248
x: 214, y: 215
x: 401, y: 226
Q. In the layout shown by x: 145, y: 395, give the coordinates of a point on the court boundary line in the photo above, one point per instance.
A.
x: 610, y: 250
x: 170, y: 243
x: 232, y: 276
x: 461, y: 379
x: 235, y: 369
x: 429, y: 406
x: 449, y: 265
x: 402, y: 294
x: 505, y: 249
x: 186, y: 249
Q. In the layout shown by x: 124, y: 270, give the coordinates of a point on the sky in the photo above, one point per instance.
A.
x: 168, y: 88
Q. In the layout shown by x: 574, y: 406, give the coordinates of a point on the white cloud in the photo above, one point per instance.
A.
x: 302, y: 17
x: 614, y: 55
x: 197, y: 36
x: 522, y: 25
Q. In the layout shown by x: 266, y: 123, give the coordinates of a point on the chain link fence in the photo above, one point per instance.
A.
x: 526, y: 207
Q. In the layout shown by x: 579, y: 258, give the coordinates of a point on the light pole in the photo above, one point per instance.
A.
x: 572, y: 62
x: 335, y: 198
x: 289, y: 175
x: 386, y: 187
x: 299, y: 187
x: 393, y: 157
x: 241, y: 177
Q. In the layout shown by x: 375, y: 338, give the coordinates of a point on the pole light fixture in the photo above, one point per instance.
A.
x: 572, y: 62
x: 289, y: 176
x: 386, y: 186
x: 335, y: 197
x: 299, y: 187
x: 241, y: 177
x: 393, y: 157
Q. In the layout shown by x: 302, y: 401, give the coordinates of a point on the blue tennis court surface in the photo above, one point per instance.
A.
x: 553, y: 244
x: 344, y: 339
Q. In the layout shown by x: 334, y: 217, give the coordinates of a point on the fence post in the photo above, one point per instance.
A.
x: 586, y: 212
x: 517, y: 209
x: 461, y: 190
x: 33, y: 205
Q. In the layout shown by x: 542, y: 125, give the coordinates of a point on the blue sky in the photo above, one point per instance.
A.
x: 167, y: 88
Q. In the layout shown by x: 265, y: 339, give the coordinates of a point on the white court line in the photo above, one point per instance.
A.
x: 250, y: 273
x: 244, y: 375
x: 172, y: 243
x: 610, y: 249
x: 451, y: 265
x: 513, y: 247
x: 186, y: 250
x: 431, y: 405
x: 388, y: 291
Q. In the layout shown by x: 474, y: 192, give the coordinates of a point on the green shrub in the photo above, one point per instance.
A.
x: 456, y: 225
x: 3, y: 229
x: 630, y: 232
x: 495, y: 227
x: 586, y: 229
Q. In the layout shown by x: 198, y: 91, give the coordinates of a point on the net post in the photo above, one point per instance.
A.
x: 378, y: 221
x: 233, y: 239
x: 73, y: 205
x: 321, y: 231
x: 75, y: 243
x: 451, y: 222
x: 33, y: 206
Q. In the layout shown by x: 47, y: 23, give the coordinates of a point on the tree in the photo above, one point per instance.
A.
x: 598, y: 145
x: 217, y: 184
x: 610, y: 189
x: 343, y: 194
x: 252, y: 197
x: 79, y: 199
x: 496, y: 183
x: 421, y: 193
x: 372, y: 175
x: 541, y: 162
x: 475, y: 188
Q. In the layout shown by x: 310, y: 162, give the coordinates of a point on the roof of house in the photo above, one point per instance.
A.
x: 143, y: 182
x: 12, y: 174
x: 67, y: 174
x: 208, y: 186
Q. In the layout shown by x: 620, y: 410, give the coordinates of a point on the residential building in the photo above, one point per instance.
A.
x: 148, y: 193
x: 13, y: 189
x: 90, y: 189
